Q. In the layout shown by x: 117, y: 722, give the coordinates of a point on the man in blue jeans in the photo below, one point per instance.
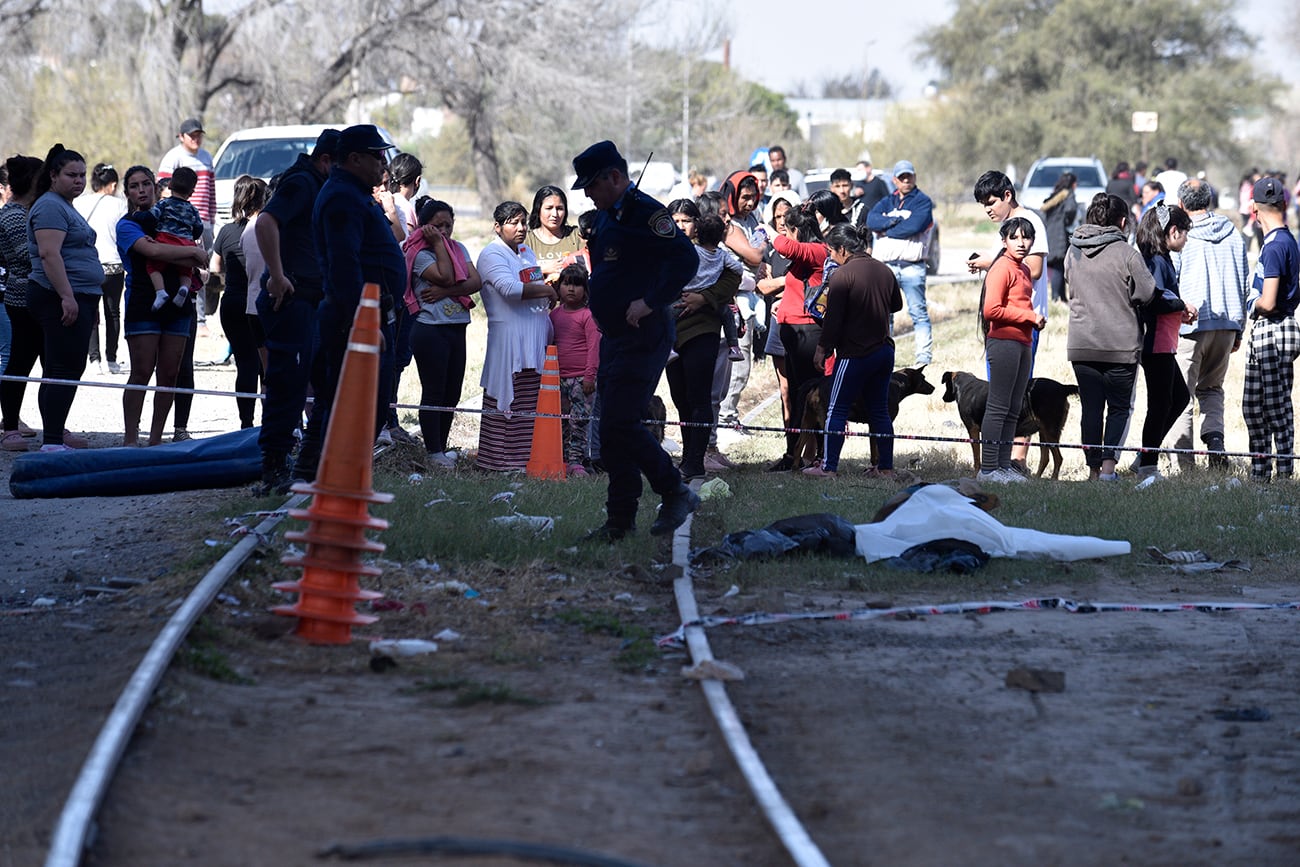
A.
x: 903, y: 224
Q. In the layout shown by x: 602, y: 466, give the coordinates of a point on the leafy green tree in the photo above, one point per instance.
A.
x: 1025, y: 78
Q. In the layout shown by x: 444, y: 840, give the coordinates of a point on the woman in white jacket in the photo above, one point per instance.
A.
x: 518, y: 302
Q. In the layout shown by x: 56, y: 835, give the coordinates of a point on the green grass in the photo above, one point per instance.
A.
x: 1180, y: 512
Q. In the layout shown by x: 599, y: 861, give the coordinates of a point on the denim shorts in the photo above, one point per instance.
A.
x: 176, y: 327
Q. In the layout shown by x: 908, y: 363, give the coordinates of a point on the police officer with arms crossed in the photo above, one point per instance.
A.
x: 355, y: 242
x: 640, y: 262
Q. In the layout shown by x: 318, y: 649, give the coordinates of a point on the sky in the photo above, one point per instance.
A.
x: 872, y: 33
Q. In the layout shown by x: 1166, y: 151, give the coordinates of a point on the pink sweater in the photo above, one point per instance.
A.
x: 577, y: 340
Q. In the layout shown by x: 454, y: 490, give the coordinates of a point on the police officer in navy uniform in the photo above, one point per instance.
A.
x: 356, y: 246
x: 640, y: 262
x: 287, y: 309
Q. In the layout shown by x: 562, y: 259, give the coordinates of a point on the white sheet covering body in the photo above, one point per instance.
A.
x: 940, y: 512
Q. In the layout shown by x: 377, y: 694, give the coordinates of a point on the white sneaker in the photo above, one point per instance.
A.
x: 453, y: 454
x: 446, y: 460
x: 384, y: 438
x: 56, y: 447
x: 1000, y: 476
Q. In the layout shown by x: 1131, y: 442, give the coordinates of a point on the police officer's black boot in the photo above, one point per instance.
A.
x: 275, y: 474
x: 676, y: 508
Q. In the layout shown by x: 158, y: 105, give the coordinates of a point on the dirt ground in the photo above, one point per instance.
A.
x: 896, y: 742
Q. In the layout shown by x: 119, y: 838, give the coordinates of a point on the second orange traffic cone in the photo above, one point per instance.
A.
x: 547, y: 458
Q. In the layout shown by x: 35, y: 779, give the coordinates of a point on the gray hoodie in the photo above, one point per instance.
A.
x: 1214, y: 275
x: 1108, y: 280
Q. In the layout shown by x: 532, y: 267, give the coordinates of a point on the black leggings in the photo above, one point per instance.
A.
x: 690, y: 382
x: 27, y: 348
x: 1105, y: 403
x: 1167, y: 397
x: 800, y: 342
x: 439, y: 353
x: 65, y: 354
x: 185, y: 379
x: 238, y: 326
x: 113, y: 284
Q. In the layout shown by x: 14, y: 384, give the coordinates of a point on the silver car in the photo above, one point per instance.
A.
x: 1044, y: 174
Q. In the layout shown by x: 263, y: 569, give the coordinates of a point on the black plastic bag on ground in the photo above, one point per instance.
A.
x: 820, y: 533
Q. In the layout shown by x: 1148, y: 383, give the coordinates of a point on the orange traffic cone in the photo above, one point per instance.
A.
x: 547, y: 458
x: 339, y: 516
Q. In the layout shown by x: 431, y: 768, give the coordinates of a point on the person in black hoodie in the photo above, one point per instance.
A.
x: 1060, y: 210
x: 1162, y: 231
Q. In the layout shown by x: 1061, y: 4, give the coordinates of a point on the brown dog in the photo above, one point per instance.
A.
x: 904, y: 382
x: 1044, y: 412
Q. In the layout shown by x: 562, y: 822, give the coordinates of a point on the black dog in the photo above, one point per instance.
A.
x: 656, y: 415
x: 815, y: 397
x: 1044, y: 412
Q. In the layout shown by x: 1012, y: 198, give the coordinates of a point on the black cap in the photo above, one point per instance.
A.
x: 191, y: 125
x: 362, y: 138
x: 326, y: 143
x: 1269, y: 191
x: 594, y: 160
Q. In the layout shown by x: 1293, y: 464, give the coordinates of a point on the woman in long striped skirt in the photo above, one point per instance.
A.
x: 518, y: 303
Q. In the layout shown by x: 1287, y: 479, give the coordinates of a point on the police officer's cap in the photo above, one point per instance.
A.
x: 359, y: 139
x: 594, y: 160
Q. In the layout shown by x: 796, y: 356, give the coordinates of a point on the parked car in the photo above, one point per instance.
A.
x: 820, y: 179
x: 1045, y: 172
x: 263, y: 152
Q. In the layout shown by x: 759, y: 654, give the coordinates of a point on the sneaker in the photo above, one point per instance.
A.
x: 690, y: 474
x: 674, y: 511
x: 384, y: 439
x: 1000, y: 476
x: 453, y: 454
x: 75, y: 441
x: 14, y: 441
x: 578, y: 471
x: 114, y: 368
x: 400, y: 435
x: 181, y: 435
x: 55, y: 447
x: 441, y: 459
x: 27, y: 431
x: 715, y: 461
x: 817, y: 471
x: 784, y: 465
x: 1108, y: 477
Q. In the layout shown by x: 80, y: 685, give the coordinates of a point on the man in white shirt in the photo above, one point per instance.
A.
x: 189, y: 152
x: 995, y: 192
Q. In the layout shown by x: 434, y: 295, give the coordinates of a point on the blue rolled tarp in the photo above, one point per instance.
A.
x: 222, y: 461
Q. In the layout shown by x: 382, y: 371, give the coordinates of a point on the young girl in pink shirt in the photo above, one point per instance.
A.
x: 577, y: 341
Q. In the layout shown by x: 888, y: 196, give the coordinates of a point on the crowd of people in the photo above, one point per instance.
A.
x: 1154, y: 278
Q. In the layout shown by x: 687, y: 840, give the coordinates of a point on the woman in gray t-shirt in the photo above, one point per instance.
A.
x: 64, y: 287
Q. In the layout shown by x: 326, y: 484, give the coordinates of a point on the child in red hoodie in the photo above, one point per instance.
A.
x: 1008, y: 321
